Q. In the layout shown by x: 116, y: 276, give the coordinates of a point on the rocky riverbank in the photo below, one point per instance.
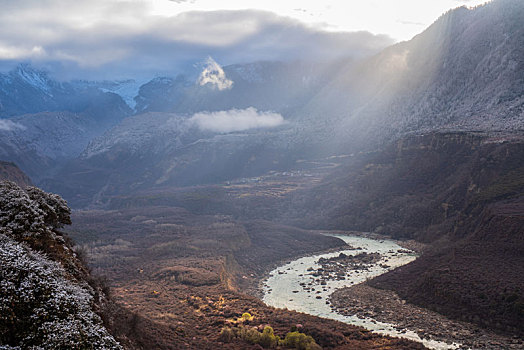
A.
x: 386, y: 306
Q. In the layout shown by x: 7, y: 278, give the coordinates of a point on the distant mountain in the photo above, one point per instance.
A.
x: 27, y: 90
x: 44, y: 122
x: 276, y: 86
x: 127, y: 89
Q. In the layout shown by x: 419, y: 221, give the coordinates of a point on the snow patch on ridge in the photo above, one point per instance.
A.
x: 127, y: 89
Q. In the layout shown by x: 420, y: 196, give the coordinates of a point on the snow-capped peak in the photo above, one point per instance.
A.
x: 35, y: 78
x: 214, y: 75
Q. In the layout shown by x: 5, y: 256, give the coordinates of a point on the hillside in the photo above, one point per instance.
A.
x: 9, y: 171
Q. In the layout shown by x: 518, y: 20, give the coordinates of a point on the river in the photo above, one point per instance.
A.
x: 299, y: 286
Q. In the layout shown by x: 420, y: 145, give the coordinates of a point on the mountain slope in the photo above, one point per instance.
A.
x: 44, y: 122
x: 40, y: 143
x: 465, y: 72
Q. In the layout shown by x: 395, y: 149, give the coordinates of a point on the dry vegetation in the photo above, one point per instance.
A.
x: 179, y: 273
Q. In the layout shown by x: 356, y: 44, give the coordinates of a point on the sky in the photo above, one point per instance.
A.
x: 116, y: 39
x: 400, y: 19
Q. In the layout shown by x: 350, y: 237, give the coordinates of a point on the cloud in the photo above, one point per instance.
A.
x: 236, y: 120
x: 411, y: 23
x: 111, y: 39
x: 8, y: 125
x: 214, y: 75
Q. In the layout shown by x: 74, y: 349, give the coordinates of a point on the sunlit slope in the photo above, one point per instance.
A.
x: 466, y: 71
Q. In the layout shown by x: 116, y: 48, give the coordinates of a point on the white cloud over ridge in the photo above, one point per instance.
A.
x: 215, y: 76
x: 236, y: 120
x: 8, y: 125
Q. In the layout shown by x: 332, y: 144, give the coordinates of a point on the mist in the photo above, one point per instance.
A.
x: 236, y: 120
x: 8, y: 125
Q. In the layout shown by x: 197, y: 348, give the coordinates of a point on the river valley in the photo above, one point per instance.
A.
x: 308, y: 285
x: 305, y: 284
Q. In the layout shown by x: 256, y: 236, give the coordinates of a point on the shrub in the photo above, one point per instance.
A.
x: 300, y: 341
x: 19, y: 215
x: 30, y: 213
x: 251, y: 335
x: 226, y: 335
x: 246, y: 316
x: 268, y: 339
x: 55, y: 209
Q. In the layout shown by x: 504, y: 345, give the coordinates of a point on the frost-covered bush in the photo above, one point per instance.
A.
x: 20, y: 216
x: 55, y: 209
x: 32, y: 212
x: 40, y: 308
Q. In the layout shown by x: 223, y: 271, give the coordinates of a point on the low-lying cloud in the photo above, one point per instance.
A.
x: 236, y: 120
x: 9, y: 125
